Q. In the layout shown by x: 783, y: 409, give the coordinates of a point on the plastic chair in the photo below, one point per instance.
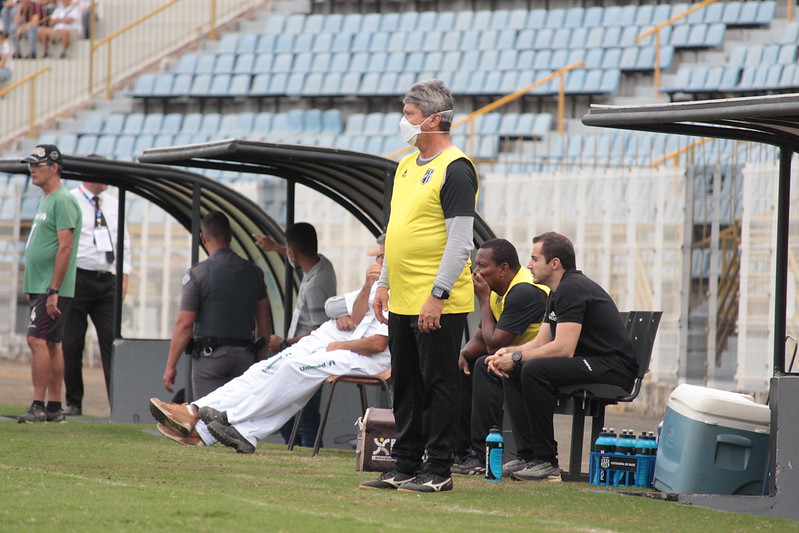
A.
x: 151, y: 123
x: 591, y: 399
x: 181, y: 84
x: 378, y: 380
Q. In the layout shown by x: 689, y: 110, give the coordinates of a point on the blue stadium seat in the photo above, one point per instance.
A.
x: 629, y: 36
x: 788, y: 78
x: 359, y: 62
x: 730, y: 78
x: 499, y: 19
x: 331, y: 121
x: 561, y: 38
x: 611, y: 16
x: 181, y: 85
x: 578, y: 38
x: 464, y: 20
x: 200, y: 85
x: 277, y: 84
x: 350, y: 82
x: 294, y: 23
x: 114, y: 123
x: 593, y: 16
x: 698, y: 80
x: 351, y: 23
x: 714, y: 38
x: 282, y: 62
x: 560, y: 59
x: 284, y: 43
x: 542, y: 124
x: 481, y: 20
x: 446, y: 19
x: 611, y: 59
x: 396, y: 41
x: 754, y: 55
x: 322, y: 42
x: 575, y: 56
x: 302, y: 62
x: 517, y: 19
x: 433, y: 61
x: 732, y: 13
x: 247, y: 43
x: 738, y: 56
x: 340, y: 62
x: 263, y: 63
x: 542, y: 60
x: 492, y: 83
x: 629, y: 58
x: 295, y: 83
x: 525, y: 40
x: 666, y: 56
x: 679, y: 37
x: 765, y: 12
x: 697, y: 36
x: 646, y: 58
x: 378, y: 42
x: 487, y: 40
x: 187, y: 63
x: 389, y: 22
x: 414, y: 61
x: 592, y: 84
x: 104, y: 146
x: 245, y: 63
x: 371, y: 22
x: 574, y: 17
x: 143, y: 142
x: 507, y: 124
x: 460, y: 81
x: 162, y: 87
x: 227, y: 126
x: 191, y: 123
x: 556, y: 18
x: 661, y: 13
x: 510, y: 82
x: 770, y: 54
x: 773, y: 76
x: 124, y: 146
x: 151, y: 123
x: 544, y: 39
x: 787, y: 54
x: 377, y: 62
x: 266, y: 43
x: 643, y: 16
x: 488, y: 60
x: 228, y: 43
x: 303, y: 42
x: 451, y: 61
x: 714, y: 13
x: 274, y: 24
x: 342, y: 42
x: 144, y: 85
x: 506, y: 39
x: 321, y: 62
x: 313, y: 23
x: 162, y: 140
x: 594, y: 57
x: 92, y: 123
x: 224, y: 63
x: 87, y: 144
x: 239, y: 85
x: 678, y: 8
x: 575, y: 80
x: 205, y: 63
x: 681, y: 82
x: 369, y: 83
x: 355, y: 124
x: 612, y: 37
x: 262, y: 123
x: 525, y: 60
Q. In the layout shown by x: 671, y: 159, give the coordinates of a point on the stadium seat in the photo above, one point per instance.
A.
x: 714, y: 38
x: 342, y: 42
x: 282, y: 63
x: 303, y: 43
x: 592, y: 17
x: 266, y: 43
x: 730, y: 78
x: 284, y: 43
x: 788, y: 77
x: 378, y: 42
x: 322, y: 42
x: 245, y: 63
x: 239, y: 85
x: 205, y: 63
x: 611, y: 59
x: 151, y: 123
x: 555, y: 18
x: 629, y: 58
x: 643, y: 16
x: 247, y: 43
x: 294, y: 23
x: 517, y: 19
x: 612, y: 37
x: 339, y: 62
x: 464, y: 20
x: 181, y: 85
x: 350, y: 82
x: 224, y: 63
x: 679, y: 37
x: 351, y: 23
x: 200, y: 85
x: 389, y: 22
x: 331, y: 121
x: 732, y: 13
x: 487, y: 40
x: 369, y: 84
x: 499, y: 19
x: 92, y: 123
x: 543, y: 40
x: 294, y: 84
x: 124, y: 146
x: 274, y: 24
x: 313, y: 23
x: 143, y: 142
x: 714, y: 13
x: 302, y: 62
x: 594, y: 57
x: 787, y: 55
x: 227, y: 44
x: 114, y: 123
x: 749, y: 12
x: 87, y: 144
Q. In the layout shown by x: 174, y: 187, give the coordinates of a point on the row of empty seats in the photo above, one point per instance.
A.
x: 765, y: 77
x: 681, y: 36
x: 748, y: 13
x: 301, y: 84
x: 770, y: 54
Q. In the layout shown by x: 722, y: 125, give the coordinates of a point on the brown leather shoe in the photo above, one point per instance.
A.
x: 192, y: 440
x: 180, y: 418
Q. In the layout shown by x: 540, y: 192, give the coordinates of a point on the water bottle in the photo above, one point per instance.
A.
x: 625, y: 446
x: 604, y: 444
x: 494, y: 447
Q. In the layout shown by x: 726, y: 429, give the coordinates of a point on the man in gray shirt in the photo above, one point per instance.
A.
x: 223, y: 298
x: 318, y: 284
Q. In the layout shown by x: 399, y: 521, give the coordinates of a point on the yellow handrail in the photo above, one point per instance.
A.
x: 656, y: 30
x: 32, y: 103
x: 675, y: 155
x: 509, y: 98
x: 109, y: 40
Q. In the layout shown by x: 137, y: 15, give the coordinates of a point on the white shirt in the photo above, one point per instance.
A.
x: 70, y: 10
x: 8, y: 52
x: 89, y: 257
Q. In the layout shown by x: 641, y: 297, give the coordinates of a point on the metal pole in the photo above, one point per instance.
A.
x: 120, y: 257
x: 288, y: 296
x: 781, y: 263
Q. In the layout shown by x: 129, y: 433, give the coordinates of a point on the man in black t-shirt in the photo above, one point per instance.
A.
x: 512, y: 308
x: 585, y: 342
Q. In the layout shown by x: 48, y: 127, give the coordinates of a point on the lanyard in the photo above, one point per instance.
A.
x: 98, y: 211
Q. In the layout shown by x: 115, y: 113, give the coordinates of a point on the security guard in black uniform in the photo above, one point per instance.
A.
x: 223, y: 297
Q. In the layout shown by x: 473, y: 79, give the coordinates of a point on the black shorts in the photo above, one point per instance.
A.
x: 41, y: 326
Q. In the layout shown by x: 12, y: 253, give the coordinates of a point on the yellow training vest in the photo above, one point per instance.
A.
x: 498, y: 305
x: 416, y: 237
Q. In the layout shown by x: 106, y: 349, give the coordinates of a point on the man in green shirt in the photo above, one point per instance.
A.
x: 50, y: 261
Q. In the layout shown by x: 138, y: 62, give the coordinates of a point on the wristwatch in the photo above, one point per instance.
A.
x: 51, y: 290
x: 439, y: 293
x: 516, y: 357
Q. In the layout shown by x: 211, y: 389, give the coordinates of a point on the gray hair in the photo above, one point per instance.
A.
x: 381, y: 239
x: 432, y: 96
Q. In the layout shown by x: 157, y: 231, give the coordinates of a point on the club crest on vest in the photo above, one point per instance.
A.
x: 427, y: 175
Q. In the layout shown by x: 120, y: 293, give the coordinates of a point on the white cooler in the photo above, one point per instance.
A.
x: 712, y: 442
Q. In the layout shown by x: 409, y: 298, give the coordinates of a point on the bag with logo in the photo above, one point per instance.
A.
x: 376, y: 436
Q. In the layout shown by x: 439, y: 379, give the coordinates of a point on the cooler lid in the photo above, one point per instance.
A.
x: 720, y: 407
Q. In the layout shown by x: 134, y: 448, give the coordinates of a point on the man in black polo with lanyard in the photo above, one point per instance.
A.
x: 224, y: 299
x: 582, y: 340
x: 95, y: 288
x: 426, y: 268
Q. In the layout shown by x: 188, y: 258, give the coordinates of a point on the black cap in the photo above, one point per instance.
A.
x: 44, y: 152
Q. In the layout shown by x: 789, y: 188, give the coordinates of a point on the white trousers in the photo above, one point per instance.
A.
x: 270, y: 392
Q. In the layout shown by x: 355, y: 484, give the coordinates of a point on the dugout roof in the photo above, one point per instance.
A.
x: 771, y: 120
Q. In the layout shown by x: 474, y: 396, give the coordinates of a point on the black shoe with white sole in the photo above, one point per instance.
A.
x: 428, y: 482
x: 391, y: 480
x: 229, y: 436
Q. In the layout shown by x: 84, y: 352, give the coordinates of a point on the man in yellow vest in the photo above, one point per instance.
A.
x: 428, y: 241
x: 513, y: 308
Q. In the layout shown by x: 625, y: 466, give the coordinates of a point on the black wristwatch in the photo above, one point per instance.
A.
x: 51, y: 290
x: 439, y: 293
x: 516, y: 357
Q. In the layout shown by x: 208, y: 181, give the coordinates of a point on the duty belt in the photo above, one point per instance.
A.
x: 206, y: 345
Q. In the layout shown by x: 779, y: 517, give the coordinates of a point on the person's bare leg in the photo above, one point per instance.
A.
x: 41, y: 367
x: 56, y: 383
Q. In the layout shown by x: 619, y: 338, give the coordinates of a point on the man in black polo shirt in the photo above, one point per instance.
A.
x: 585, y: 342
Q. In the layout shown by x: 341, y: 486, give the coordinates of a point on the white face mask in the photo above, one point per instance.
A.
x: 410, y: 132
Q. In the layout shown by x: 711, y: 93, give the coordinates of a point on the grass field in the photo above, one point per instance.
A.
x: 85, y: 476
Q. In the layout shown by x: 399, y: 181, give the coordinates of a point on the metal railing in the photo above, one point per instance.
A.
x: 561, y: 73
x: 178, y: 23
x: 675, y: 155
x: 19, y: 111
